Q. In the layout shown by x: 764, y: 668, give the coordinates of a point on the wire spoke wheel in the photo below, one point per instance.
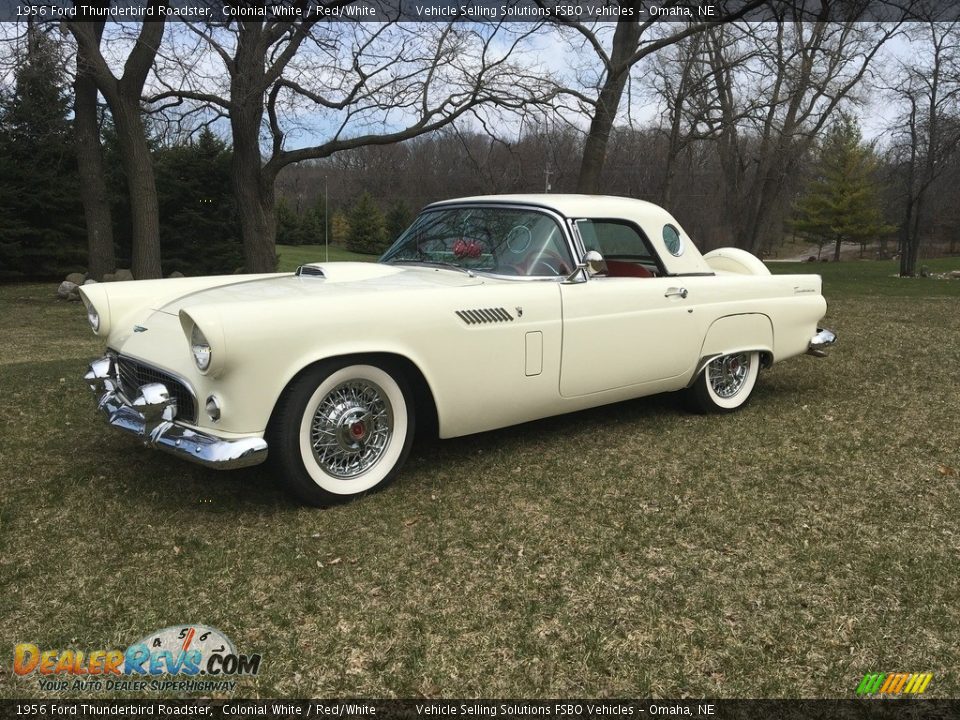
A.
x: 342, y: 429
x: 351, y: 428
x: 728, y: 374
x: 726, y: 383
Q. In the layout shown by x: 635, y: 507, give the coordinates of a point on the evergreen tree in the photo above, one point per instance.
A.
x: 339, y: 228
x: 199, y: 225
x: 41, y: 219
x: 305, y: 229
x: 398, y: 219
x: 313, y: 226
x: 368, y: 233
x: 841, y: 203
x: 287, y: 224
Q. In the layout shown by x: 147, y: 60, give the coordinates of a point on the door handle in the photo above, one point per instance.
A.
x: 671, y: 292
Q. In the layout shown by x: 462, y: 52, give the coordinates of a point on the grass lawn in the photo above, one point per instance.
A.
x: 291, y: 256
x: 632, y: 550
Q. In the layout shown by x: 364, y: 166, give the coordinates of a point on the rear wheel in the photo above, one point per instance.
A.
x: 726, y: 383
x: 342, y: 430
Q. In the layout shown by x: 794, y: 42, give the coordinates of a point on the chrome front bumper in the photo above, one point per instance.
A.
x: 820, y: 342
x: 150, y: 417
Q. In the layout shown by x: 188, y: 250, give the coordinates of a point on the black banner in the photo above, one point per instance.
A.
x: 871, y: 709
x: 559, y: 11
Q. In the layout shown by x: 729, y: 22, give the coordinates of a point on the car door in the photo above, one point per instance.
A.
x: 625, y: 331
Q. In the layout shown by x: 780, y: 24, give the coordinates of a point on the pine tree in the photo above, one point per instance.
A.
x: 398, y: 219
x: 287, y: 224
x: 841, y: 203
x: 199, y: 225
x: 339, y: 228
x: 368, y: 232
x: 41, y: 219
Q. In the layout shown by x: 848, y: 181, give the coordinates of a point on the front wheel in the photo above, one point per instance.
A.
x: 342, y: 430
x: 725, y: 383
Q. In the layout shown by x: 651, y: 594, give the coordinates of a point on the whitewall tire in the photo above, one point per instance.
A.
x: 726, y: 383
x: 342, y: 429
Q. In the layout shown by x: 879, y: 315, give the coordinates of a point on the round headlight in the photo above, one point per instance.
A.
x: 200, y: 348
x: 93, y: 317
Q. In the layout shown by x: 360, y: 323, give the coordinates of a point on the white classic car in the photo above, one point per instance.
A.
x: 486, y: 312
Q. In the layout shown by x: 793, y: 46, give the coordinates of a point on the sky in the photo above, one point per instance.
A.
x: 547, y: 50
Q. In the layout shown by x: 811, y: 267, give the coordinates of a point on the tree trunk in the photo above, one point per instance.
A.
x: 625, y: 40
x: 123, y: 96
x: 141, y: 186
x: 255, y: 195
x: 836, y: 250
x: 253, y: 186
x: 253, y: 183
x: 93, y: 187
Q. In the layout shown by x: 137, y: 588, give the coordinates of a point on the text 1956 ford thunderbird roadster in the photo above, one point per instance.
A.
x: 486, y: 312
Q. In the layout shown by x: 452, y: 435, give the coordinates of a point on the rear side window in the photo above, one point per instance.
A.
x: 615, y: 240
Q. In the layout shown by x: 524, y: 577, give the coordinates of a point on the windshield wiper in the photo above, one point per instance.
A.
x: 434, y: 263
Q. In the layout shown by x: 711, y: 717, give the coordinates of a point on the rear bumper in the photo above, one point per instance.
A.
x: 150, y: 417
x: 820, y: 342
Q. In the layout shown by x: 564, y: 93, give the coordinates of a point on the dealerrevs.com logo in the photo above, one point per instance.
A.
x: 150, y: 664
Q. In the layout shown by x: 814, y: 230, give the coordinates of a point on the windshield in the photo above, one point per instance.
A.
x: 524, y: 243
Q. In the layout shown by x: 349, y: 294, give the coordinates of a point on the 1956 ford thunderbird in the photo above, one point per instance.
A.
x: 486, y: 312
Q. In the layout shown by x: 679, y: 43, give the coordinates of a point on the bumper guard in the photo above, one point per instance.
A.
x: 820, y: 342
x: 150, y: 417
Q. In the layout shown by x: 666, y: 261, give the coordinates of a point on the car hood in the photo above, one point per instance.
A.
x: 337, y: 278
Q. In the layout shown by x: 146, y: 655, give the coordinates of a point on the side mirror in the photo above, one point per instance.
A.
x: 594, y: 262
x: 591, y: 264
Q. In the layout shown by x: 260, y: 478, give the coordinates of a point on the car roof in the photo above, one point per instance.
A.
x: 650, y: 217
x: 570, y: 205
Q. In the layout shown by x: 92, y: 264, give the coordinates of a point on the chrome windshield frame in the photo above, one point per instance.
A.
x: 563, y: 223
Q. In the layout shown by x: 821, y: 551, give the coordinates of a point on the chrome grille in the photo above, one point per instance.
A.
x: 134, y: 373
x: 484, y: 315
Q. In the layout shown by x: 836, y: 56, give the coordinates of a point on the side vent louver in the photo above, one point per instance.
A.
x: 310, y: 271
x: 484, y: 315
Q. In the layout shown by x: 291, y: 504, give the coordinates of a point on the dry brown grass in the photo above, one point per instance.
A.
x: 633, y: 550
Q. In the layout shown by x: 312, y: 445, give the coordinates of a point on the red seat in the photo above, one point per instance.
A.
x: 621, y: 268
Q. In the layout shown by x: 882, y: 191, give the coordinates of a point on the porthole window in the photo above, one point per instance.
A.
x: 673, y: 241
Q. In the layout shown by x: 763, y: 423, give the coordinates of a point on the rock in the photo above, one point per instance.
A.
x: 76, y: 278
x: 108, y: 277
x: 954, y: 274
x: 122, y: 275
x: 68, y: 291
x: 175, y: 274
x: 89, y: 281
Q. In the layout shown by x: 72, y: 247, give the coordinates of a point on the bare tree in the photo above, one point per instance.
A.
x: 929, y: 130
x: 772, y: 89
x: 93, y: 187
x: 380, y: 84
x: 630, y: 44
x: 123, y: 97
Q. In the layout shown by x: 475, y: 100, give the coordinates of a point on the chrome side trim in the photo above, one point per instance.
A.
x: 820, y: 342
x: 150, y: 415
